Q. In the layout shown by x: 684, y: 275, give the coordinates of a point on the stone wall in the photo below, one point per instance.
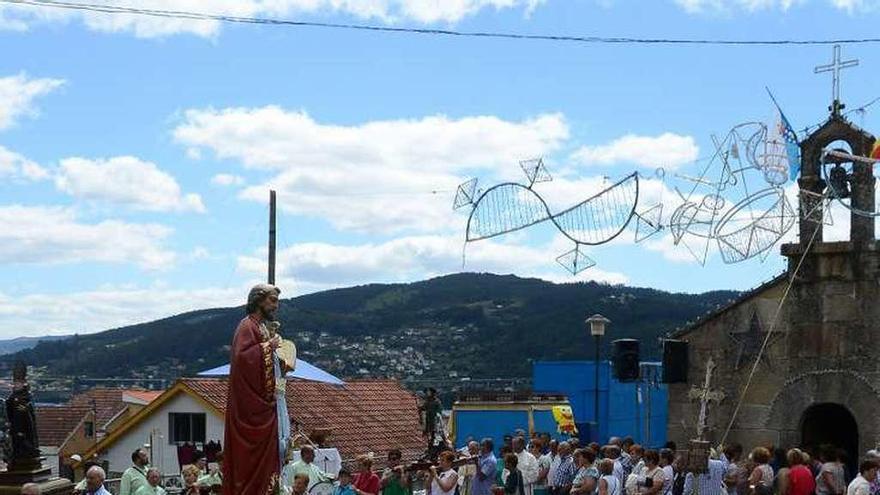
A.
x: 823, y: 350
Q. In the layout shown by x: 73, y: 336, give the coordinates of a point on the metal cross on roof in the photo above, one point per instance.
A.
x: 705, y: 395
x: 835, y: 67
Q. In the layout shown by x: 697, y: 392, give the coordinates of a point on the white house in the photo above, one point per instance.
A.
x: 360, y: 416
x: 178, y: 418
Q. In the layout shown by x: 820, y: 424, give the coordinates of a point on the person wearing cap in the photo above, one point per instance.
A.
x: 66, y: 470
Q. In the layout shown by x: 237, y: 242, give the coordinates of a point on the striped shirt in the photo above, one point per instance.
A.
x: 565, y: 473
x: 710, y: 482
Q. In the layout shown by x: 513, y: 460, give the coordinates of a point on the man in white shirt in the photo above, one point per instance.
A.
x: 467, y: 472
x: 304, y: 466
x: 543, y: 463
x: 636, y: 452
x: 613, y: 452
x: 667, y: 462
x: 862, y: 484
x: 527, y: 465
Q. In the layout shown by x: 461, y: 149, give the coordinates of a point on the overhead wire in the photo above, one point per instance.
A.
x: 204, y: 16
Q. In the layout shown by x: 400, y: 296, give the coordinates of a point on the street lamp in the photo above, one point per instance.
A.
x: 597, y: 324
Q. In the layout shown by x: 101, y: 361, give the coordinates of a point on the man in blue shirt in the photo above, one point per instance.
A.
x: 486, y: 468
x: 565, y: 473
x: 95, y: 477
x: 708, y: 483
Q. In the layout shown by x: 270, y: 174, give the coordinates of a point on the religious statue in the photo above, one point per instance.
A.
x: 431, y: 419
x: 22, y: 421
x: 257, y: 424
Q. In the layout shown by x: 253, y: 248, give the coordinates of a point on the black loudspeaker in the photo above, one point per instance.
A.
x: 626, y: 359
x: 675, y: 361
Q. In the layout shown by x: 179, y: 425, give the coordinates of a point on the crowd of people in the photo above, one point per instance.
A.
x: 544, y: 466
x: 198, y: 478
x: 538, y: 465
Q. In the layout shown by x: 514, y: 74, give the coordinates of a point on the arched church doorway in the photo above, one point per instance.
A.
x: 831, y: 424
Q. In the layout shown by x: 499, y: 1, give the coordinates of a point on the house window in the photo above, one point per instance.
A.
x: 89, y: 428
x: 186, y: 427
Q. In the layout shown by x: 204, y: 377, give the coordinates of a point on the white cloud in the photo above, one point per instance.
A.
x: 91, y: 311
x: 667, y: 150
x: 700, y: 6
x: 728, y: 6
x: 374, y: 177
x: 125, y: 180
x: 854, y: 6
x: 273, y: 138
x: 227, y: 180
x: 49, y: 235
x: 17, y: 95
x: 386, y: 11
x: 415, y: 258
x: 18, y: 168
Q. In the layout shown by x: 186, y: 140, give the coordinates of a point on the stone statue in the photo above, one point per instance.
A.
x: 22, y: 421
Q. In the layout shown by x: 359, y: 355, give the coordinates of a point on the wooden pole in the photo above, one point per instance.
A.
x: 272, y: 237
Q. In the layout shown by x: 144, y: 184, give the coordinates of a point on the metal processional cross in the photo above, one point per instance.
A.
x: 705, y: 395
x: 835, y: 67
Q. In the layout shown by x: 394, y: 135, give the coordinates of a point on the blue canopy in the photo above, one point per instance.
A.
x: 303, y: 371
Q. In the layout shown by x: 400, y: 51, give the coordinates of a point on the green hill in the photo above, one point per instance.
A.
x: 463, y: 325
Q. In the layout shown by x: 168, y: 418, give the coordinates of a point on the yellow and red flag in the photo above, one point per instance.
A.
x: 875, y: 153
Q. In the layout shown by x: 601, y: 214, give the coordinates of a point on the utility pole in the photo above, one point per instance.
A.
x: 272, y: 237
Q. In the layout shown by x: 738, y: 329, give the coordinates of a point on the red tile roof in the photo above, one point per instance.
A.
x: 141, y: 396
x: 107, y: 402
x: 363, y: 415
x: 56, y: 423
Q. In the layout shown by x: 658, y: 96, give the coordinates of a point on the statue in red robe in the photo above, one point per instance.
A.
x: 252, y: 460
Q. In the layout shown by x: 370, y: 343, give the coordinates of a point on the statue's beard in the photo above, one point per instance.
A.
x: 267, y: 314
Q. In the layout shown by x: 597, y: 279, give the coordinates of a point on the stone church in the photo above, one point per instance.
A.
x: 818, y: 380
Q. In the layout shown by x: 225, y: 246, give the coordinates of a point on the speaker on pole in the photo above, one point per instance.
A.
x: 675, y: 361
x: 626, y: 359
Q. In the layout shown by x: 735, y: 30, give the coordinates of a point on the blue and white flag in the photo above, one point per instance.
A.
x: 789, y: 137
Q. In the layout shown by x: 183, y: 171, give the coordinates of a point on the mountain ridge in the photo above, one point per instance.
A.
x: 461, y: 325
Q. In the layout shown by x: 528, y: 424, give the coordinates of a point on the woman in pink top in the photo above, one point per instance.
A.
x: 366, y: 482
x: 800, y: 478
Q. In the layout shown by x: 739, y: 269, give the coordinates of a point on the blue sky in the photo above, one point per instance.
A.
x: 137, y: 152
